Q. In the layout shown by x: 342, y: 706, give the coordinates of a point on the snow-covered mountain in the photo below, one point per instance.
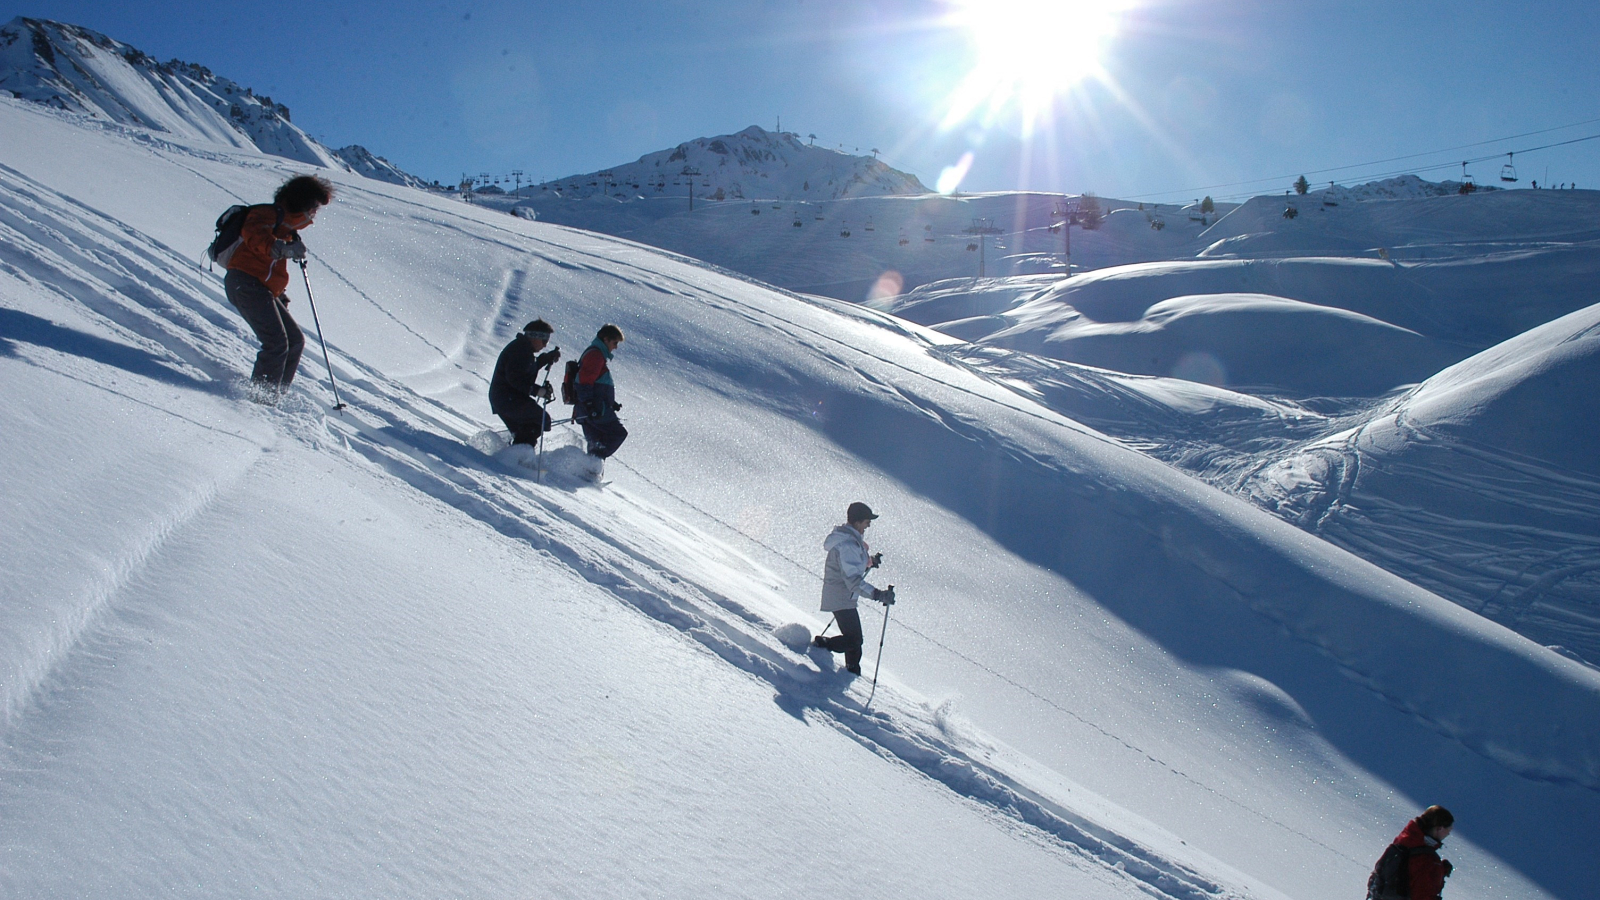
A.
x: 754, y: 164
x: 73, y: 68
x: 361, y: 161
x: 303, y: 652
x: 76, y: 69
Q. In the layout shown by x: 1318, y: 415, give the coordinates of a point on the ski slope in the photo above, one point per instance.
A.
x: 304, y: 652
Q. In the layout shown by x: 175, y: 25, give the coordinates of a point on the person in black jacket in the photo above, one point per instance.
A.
x: 515, y: 393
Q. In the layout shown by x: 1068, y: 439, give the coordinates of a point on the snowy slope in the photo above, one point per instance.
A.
x: 73, y: 68
x: 313, y: 653
x: 866, y: 248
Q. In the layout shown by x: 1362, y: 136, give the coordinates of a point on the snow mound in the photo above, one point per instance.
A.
x: 1482, y: 484
x: 1250, y: 341
x: 793, y: 635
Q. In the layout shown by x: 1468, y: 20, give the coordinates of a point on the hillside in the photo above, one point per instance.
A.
x: 306, y: 652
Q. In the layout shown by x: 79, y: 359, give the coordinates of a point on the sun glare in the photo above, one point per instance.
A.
x: 1029, y: 51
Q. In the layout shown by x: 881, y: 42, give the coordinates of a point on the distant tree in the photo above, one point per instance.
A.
x: 874, y: 152
x: 813, y: 139
x: 1206, y: 206
x: 1089, y: 215
x: 1301, y: 185
x: 720, y: 195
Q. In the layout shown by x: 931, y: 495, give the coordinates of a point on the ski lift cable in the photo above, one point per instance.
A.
x: 1444, y: 165
x: 1379, y: 162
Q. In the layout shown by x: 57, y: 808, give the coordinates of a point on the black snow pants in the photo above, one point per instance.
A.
x: 524, y: 418
x: 849, y: 640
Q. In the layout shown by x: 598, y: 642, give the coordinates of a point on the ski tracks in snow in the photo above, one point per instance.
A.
x: 668, y: 569
x: 664, y: 566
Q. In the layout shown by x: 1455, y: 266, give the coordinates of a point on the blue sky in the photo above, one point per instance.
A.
x: 1197, y: 96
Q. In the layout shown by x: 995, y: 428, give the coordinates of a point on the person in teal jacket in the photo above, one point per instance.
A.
x: 596, y: 408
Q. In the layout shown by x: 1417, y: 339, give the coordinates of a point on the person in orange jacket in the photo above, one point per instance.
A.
x: 258, y: 273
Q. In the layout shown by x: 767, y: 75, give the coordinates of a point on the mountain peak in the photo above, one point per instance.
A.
x: 80, y: 70
x: 751, y: 164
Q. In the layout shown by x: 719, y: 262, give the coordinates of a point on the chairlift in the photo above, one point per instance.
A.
x: 777, y: 206
x: 845, y: 231
x: 755, y: 212
x: 797, y: 222
x: 903, y: 239
x: 927, y: 233
x: 869, y: 225
x: 819, y: 217
x: 1289, y: 212
x: 1508, y: 172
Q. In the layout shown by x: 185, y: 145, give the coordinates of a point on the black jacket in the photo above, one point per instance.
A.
x: 515, y: 376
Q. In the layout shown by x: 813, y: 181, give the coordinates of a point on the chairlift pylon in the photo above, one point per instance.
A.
x: 1508, y: 172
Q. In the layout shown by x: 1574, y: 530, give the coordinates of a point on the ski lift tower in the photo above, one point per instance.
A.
x: 983, y: 228
x: 1066, y: 212
x: 690, y: 173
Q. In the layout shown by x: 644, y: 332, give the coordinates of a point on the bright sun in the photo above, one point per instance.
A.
x: 1028, y: 51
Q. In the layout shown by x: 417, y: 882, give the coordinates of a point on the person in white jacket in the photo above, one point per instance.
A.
x: 844, y: 579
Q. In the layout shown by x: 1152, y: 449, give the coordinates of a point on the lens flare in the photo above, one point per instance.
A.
x: 951, y: 177
x: 1026, y: 52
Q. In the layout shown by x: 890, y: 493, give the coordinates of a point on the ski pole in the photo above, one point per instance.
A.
x: 338, y: 405
x: 825, y: 628
x: 879, y: 663
x: 544, y: 415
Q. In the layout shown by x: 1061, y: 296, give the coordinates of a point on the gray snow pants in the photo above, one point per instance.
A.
x: 268, y: 316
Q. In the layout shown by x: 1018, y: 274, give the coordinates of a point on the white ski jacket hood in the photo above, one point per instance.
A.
x: 844, y: 577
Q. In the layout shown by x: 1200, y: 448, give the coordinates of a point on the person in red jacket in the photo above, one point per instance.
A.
x: 1421, y: 838
x: 258, y: 273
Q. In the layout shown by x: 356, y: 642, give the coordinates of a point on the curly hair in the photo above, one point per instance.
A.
x: 303, y: 192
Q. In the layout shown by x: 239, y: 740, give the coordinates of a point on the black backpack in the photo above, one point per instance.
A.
x: 229, y: 226
x: 569, y: 383
x: 1391, y: 876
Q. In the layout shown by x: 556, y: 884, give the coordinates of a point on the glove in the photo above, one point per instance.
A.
x: 547, y: 358
x: 544, y: 392
x: 615, y: 406
x: 1448, y: 868
x: 295, y: 249
x: 877, y: 560
x: 884, y: 595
